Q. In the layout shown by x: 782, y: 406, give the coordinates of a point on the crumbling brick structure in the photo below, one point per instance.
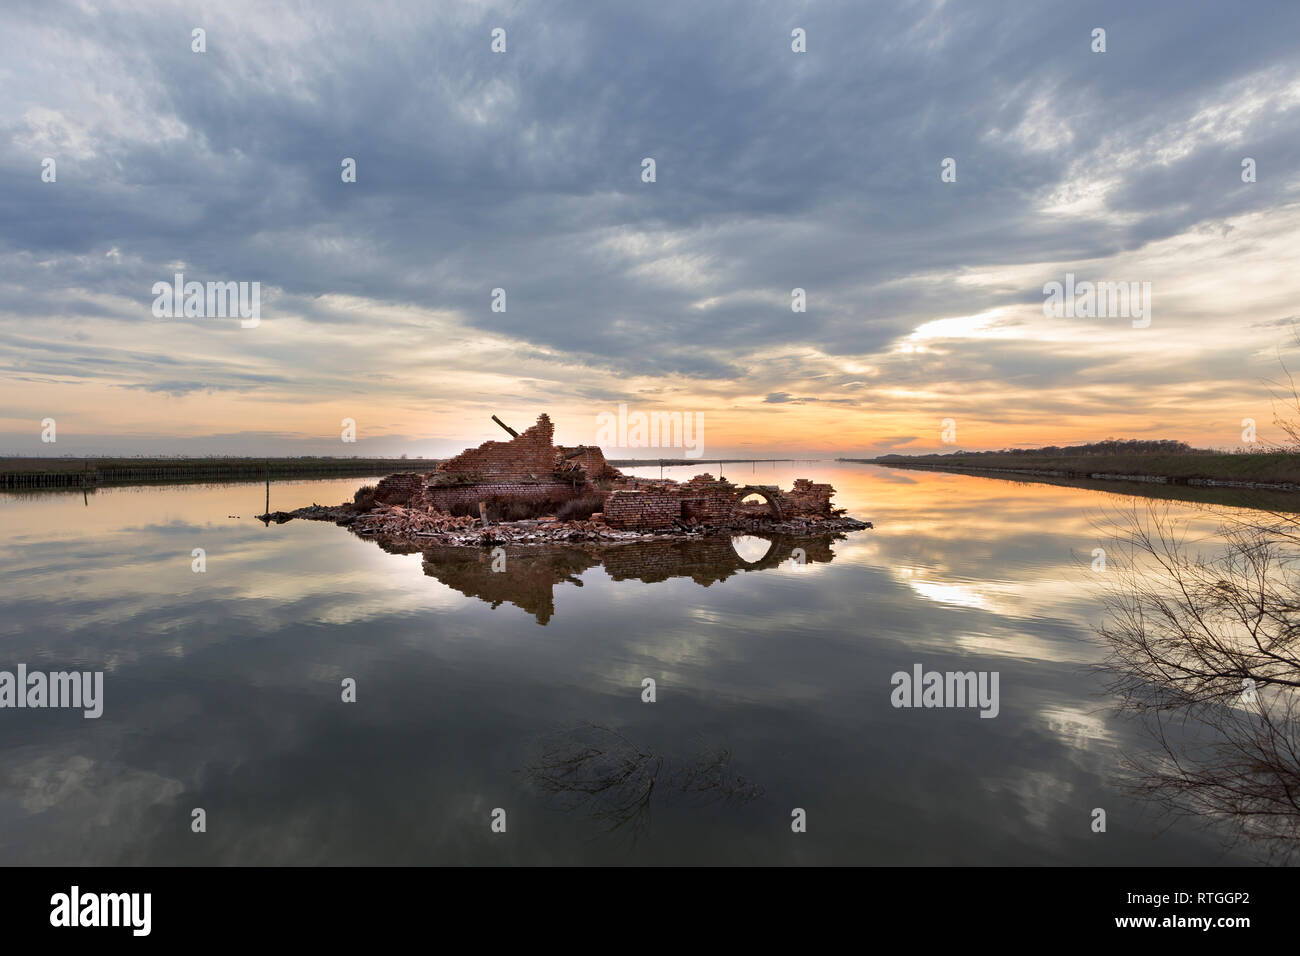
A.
x: 444, y: 498
x: 530, y: 455
x: 661, y: 504
x: 528, y: 467
x: 531, y: 468
x: 807, y: 498
x: 642, y: 510
x: 398, y: 489
x: 591, y: 460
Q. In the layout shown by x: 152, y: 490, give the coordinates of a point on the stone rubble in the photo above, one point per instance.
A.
x: 531, y: 472
x: 394, y: 522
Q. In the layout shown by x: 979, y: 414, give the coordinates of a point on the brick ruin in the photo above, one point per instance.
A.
x: 530, y: 467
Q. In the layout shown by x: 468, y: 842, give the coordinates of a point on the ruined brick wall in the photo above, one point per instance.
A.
x: 531, y: 454
x: 713, y: 508
x: 717, y: 502
x: 591, y: 460
x: 446, y: 497
x: 637, y: 504
x: 530, y: 468
x: 398, y: 489
x: 711, y: 500
x: 807, y: 498
x: 659, y: 503
x: 642, y: 510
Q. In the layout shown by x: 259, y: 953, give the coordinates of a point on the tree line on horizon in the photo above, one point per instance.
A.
x: 1111, y: 446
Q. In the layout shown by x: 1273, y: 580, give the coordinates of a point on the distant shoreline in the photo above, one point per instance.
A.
x: 17, y: 474
x: 1264, y: 471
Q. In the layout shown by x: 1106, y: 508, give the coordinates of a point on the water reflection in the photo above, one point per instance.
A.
x: 222, y: 688
x: 528, y: 575
x: 599, y: 772
x: 1203, y: 632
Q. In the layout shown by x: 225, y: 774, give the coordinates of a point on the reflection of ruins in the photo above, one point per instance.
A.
x: 528, y: 575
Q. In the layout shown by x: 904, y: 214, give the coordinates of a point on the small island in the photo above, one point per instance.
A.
x: 528, y: 490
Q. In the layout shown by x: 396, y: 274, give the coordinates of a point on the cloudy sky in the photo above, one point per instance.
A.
x: 522, y: 170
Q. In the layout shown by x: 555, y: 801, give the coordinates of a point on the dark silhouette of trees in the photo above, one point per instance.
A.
x: 1203, y: 638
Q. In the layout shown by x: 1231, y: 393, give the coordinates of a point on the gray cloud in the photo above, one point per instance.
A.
x: 522, y: 171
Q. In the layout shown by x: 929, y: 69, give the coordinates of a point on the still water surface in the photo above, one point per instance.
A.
x: 522, y: 690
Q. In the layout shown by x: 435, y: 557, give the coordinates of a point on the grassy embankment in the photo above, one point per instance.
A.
x: 78, y: 472
x: 42, y: 472
x: 1193, y: 466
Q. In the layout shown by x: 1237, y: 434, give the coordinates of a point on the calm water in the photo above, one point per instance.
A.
x: 522, y: 690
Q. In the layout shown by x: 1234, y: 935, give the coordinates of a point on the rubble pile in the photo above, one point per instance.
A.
x: 534, y: 477
x: 394, y: 523
x: 397, y: 520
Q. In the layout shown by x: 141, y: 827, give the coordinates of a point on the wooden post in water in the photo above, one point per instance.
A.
x: 482, y: 513
x: 268, y: 488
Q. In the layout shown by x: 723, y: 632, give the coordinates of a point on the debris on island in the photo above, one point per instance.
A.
x: 529, y: 490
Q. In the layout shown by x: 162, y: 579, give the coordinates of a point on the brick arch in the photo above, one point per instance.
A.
x: 770, y: 495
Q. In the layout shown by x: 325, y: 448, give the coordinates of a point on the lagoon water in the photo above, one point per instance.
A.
x: 522, y: 690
